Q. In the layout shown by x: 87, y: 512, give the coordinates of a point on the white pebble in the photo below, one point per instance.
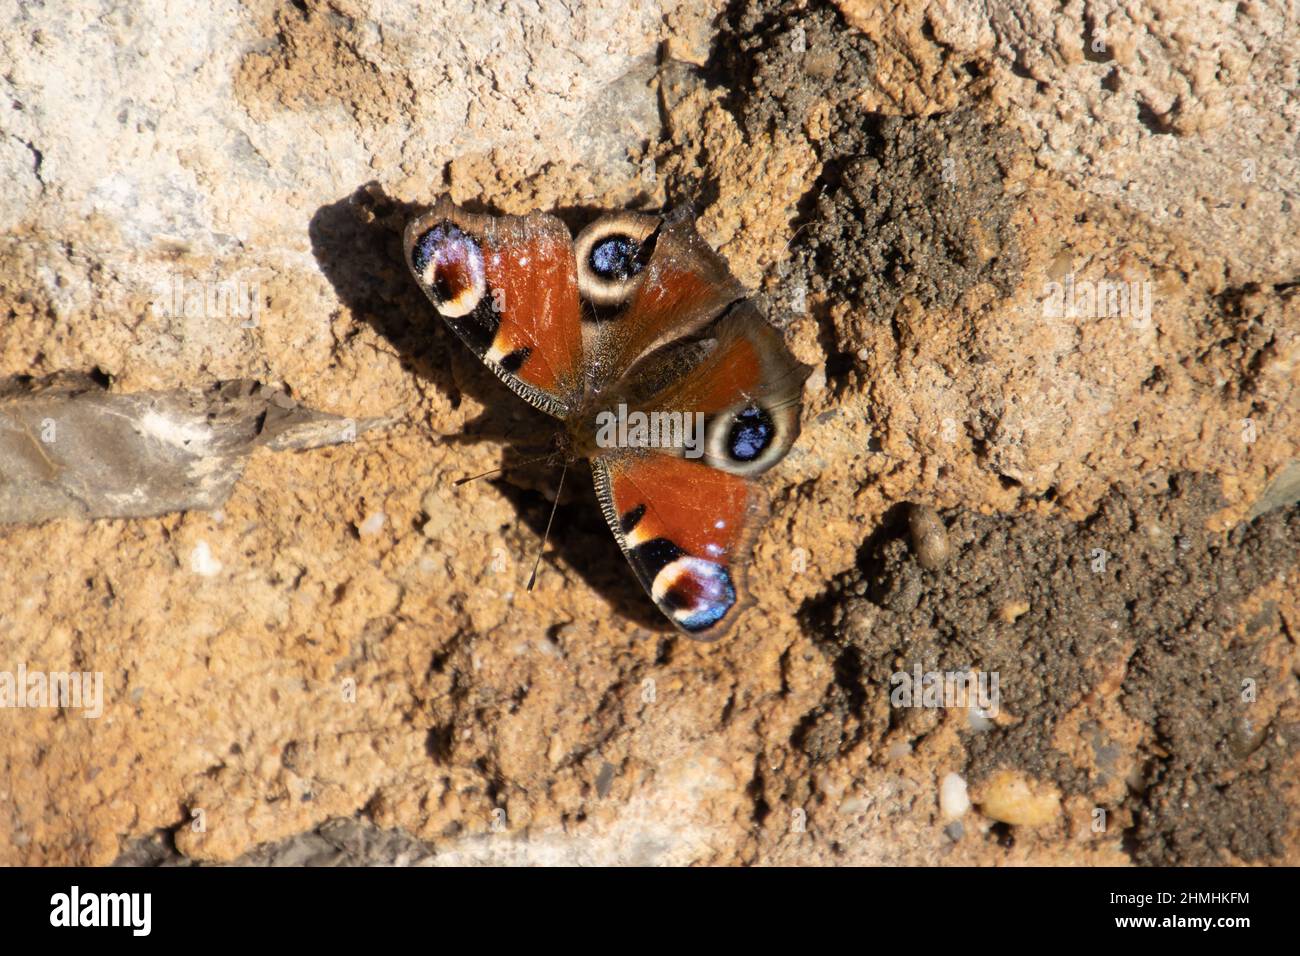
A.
x: 978, y: 719
x: 953, y: 800
x: 202, y: 562
x: 373, y: 524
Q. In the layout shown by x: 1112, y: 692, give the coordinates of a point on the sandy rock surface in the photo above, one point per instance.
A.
x: 1042, y: 258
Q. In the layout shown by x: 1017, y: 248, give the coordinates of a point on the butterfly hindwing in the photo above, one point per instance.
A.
x: 686, y: 515
x: 508, y: 287
x: 738, y: 381
x: 686, y: 529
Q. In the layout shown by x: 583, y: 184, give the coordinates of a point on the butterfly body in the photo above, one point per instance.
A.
x: 666, y: 377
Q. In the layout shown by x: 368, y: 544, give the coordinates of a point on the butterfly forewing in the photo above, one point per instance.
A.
x: 507, y: 285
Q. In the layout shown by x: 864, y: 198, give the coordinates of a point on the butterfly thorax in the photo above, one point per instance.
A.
x: 578, y: 439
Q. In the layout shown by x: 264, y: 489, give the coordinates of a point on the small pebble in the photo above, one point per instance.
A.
x: 440, y: 512
x: 1012, y: 610
x: 1246, y: 738
x: 202, y: 562
x: 904, y: 593
x: 953, y: 799
x: 929, y: 537
x: 859, y: 619
x: 373, y: 524
x: 1011, y: 798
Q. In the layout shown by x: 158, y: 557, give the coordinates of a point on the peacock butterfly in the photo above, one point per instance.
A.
x: 665, y: 374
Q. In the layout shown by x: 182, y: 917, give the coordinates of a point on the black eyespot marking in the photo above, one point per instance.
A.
x: 657, y: 555
x: 751, y: 433
x: 682, y: 595
x: 431, y: 239
x: 444, y: 284
x: 424, y: 246
x: 616, y: 258
x: 515, y: 360
x: 448, y: 262
x: 631, y: 519
x: 700, y: 595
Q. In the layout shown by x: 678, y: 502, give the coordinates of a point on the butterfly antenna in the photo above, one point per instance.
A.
x: 518, y: 464
x: 795, y: 235
x: 532, y: 578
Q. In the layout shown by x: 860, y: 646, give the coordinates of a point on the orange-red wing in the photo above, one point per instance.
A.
x: 685, y: 286
x: 686, y: 529
x: 507, y: 285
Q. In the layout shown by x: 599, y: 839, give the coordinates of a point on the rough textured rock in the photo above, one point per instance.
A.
x: 68, y: 449
x: 340, y: 663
